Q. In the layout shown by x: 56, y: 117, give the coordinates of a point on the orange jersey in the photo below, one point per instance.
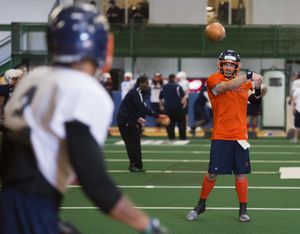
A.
x: 229, y: 110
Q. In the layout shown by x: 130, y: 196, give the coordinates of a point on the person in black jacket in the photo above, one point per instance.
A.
x: 202, y: 111
x: 130, y: 119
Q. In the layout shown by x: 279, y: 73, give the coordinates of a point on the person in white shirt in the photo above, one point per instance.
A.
x: 156, y: 86
x: 181, y: 79
x: 296, y: 111
x: 127, y: 84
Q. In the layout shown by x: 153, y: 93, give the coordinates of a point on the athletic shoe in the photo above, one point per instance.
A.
x: 244, y: 218
x: 136, y: 169
x: 294, y: 141
x: 194, y: 213
x: 193, y: 132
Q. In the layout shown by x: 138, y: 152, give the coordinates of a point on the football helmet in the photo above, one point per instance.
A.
x: 11, y: 75
x: 232, y: 57
x: 78, y: 32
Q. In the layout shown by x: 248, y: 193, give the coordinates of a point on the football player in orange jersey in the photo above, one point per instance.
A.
x: 228, y: 93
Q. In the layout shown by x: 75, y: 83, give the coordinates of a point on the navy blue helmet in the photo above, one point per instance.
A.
x: 77, y: 32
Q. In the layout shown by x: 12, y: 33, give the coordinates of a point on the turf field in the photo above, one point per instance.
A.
x: 172, y: 182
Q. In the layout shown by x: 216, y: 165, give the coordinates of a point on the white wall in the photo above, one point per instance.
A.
x: 194, y: 11
x: 275, y: 12
x: 177, y: 11
x: 195, y: 67
x: 25, y: 10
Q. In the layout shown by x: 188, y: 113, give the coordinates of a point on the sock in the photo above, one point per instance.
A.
x: 243, y: 208
x: 202, y: 202
x: 241, y: 187
x: 207, y: 186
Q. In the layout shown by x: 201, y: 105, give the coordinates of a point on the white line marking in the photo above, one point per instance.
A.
x: 200, y: 152
x: 289, y: 172
x: 197, y: 187
x: 185, y: 208
x: 187, y: 172
x: 159, y: 143
x: 201, y: 161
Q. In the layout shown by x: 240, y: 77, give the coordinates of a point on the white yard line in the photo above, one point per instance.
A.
x: 186, y: 172
x: 200, y: 152
x: 185, y: 208
x: 197, y: 187
x: 253, y: 145
x: 201, y: 161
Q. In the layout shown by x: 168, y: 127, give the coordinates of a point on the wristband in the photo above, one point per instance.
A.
x: 249, y: 75
x: 257, y: 92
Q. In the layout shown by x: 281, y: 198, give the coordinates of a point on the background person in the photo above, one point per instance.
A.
x: 11, y: 77
x: 181, y: 79
x: 253, y: 113
x: 131, y: 118
x: 56, y: 125
x: 171, y: 103
x: 229, y: 153
x: 107, y: 82
x: 202, y: 111
x: 296, y: 111
x: 156, y: 85
x: 127, y: 84
x: 113, y: 12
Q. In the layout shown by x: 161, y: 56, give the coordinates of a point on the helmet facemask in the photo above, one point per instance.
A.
x: 229, y: 72
x: 232, y: 58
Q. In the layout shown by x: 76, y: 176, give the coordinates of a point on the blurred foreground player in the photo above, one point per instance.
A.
x: 228, y: 93
x: 56, y: 123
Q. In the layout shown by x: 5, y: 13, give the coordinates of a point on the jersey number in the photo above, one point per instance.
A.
x: 26, y: 99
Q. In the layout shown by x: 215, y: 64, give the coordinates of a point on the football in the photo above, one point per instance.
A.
x: 215, y: 32
x: 165, y: 121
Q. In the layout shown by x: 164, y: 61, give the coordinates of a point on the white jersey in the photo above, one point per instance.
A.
x: 184, y: 83
x: 155, y: 91
x: 295, y: 85
x: 296, y: 95
x: 47, y: 99
x: 126, y: 86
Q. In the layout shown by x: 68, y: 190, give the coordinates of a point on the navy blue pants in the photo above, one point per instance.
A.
x: 22, y: 213
x: 227, y: 157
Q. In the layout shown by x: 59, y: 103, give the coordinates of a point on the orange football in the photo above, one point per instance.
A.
x: 215, y: 32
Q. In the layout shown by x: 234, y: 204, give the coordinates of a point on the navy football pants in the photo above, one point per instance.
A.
x: 22, y: 213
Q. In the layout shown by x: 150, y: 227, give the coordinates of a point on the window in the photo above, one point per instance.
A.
x: 126, y: 11
x: 226, y: 11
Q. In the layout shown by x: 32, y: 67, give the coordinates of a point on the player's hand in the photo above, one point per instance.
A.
x: 161, y: 116
x: 142, y: 121
x: 155, y: 227
x: 258, y: 80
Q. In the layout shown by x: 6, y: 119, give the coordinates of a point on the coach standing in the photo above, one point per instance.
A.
x: 173, y: 103
x: 130, y: 119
